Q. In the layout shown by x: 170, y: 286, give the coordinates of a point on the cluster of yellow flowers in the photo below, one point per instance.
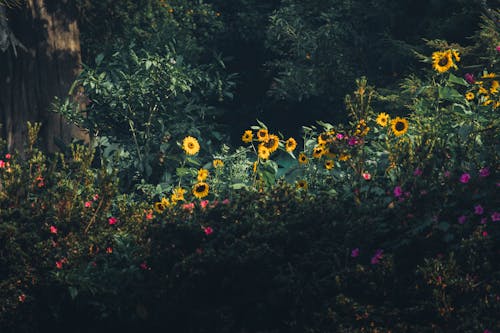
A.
x: 268, y: 143
x: 399, y: 125
x: 485, y: 91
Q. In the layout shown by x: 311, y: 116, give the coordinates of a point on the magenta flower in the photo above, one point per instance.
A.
x: 2, y: 164
x: 377, y: 256
x: 462, y: 219
x: 495, y: 216
x: 340, y: 136
x: 398, y: 191
x: 484, y: 172
x: 469, y: 78
x: 88, y: 204
x: 487, y: 330
x: 478, y: 210
x: 144, y: 266
x: 225, y: 201
x: 485, y: 234
x: 208, y: 230
x: 352, y: 141
x: 464, y: 178
x: 8, y: 156
x: 355, y: 253
x: 417, y: 172
x: 366, y: 176
x: 112, y: 220
x: 53, y: 230
x: 498, y: 48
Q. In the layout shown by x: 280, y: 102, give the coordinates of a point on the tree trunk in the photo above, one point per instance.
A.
x: 31, y: 78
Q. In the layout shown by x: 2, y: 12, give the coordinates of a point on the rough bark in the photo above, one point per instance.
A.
x: 30, y: 80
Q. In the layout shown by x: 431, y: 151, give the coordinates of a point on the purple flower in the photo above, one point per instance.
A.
x: 464, y: 178
x: 398, y: 191
x: 355, y: 253
x: 478, y: 210
x: 352, y: 141
x: 487, y: 330
x: 484, y: 172
x: 377, y: 256
x: 462, y: 219
x: 417, y: 172
x: 340, y: 136
x: 469, y: 78
x: 495, y: 216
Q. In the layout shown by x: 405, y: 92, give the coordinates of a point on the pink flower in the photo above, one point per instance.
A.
x: 495, y: 216
x: 461, y: 219
x: 487, y: 330
x: 478, y: 210
x: 340, y: 136
x: 352, y: 141
x: 377, y: 256
x: 208, y: 230
x: 464, y: 178
x: 447, y: 174
x: 417, y: 172
x: 225, y: 201
x: 355, y: 253
x: 498, y: 48
x: 88, y: 204
x: 53, y: 230
x: 188, y: 206
x: 2, y: 164
x: 398, y: 191
x: 204, y: 203
x: 366, y: 176
x: 22, y: 298
x: 469, y: 78
x: 112, y: 220
x: 8, y: 156
x: 484, y: 172
x: 485, y: 234
x: 109, y: 250
x: 144, y: 266
x: 59, y: 264
x: 484, y: 220
x: 95, y: 197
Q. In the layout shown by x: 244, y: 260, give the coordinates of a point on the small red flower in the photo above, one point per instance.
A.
x: 367, y: 176
x: 53, y: 230
x: 22, y: 298
x: 2, y: 164
x: 59, y: 264
x: 144, y: 266
x: 208, y: 230
x: 88, y: 204
x: 204, y: 203
x: 95, y: 197
x: 109, y: 250
x: 8, y: 156
x: 112, y: 220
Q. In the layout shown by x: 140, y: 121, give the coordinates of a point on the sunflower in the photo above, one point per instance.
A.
x: 290, y: 145
x: 200, y: 190
x: 159, y: 207
x: 263, y: 152
x: 218, y: 163
x: 382, y: 119
x: 323, y: 138
x: 302, y: 184
x: 469, y: 96
x: 302, y: 158
x: 318, y: 151
x: 272, y: 143
x: 190, y: 145
x: 489, y: 76
x: 329, y: 164
x: 202, y: 175
x: 262, y: 135
x: 247, y: 136
x: 442, y: 61
x: 177, y: 195
x: 399, y: 126
x: 165, y: 202
x: 456, y: 55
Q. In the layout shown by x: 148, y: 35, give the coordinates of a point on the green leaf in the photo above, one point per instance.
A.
x: 449, y: 94
x: 73, y: 292
x: 457, y: 80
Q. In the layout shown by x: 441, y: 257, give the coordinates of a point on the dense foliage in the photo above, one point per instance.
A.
x: 383, y: 219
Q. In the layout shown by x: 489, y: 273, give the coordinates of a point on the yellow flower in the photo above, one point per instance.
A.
x: 324, y: 138
x: 494, y: 87
x: 469, y: 96
x: 254, y: 166
x: 382, y: 119
x: 272, y: 143
x: 165, y: 202
x: 442, y: 61
x: 159, y: 207
x: 302, y: 158
x: 489, y: 76
x: 399, y: 126
x: 456, y: 55
x: 190, y: 145
x: 218, y: 163
x: 177, y: 195
x: 200, y: 190
x: 290, y: 145
x: 262, y: 135
x: 302, y: 184
x: 263, y: 152
x: 318, y: 151
x: 344, y: 157
x: 202, y: 175
x: 487, y: 102
x: 247, y: 136
x: 329, y: 164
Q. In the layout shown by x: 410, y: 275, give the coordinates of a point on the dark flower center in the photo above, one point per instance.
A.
x: 400, y: 126
x: 443, y: 61
x: 201, y: 188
